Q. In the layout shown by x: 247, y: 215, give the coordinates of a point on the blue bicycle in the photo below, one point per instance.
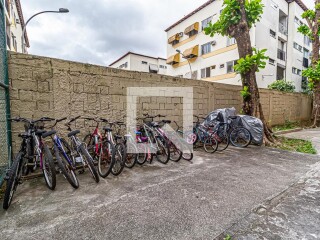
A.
x: 63, y: 155
x: 201, y: 134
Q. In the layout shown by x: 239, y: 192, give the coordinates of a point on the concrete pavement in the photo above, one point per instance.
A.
x: 197, y: 200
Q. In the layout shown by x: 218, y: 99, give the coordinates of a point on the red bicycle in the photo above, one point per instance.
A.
x: 100, y: 148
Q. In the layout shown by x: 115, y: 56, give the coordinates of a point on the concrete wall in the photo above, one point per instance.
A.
x: 57, y: 88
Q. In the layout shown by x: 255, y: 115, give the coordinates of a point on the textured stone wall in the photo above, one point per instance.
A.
x: 57, y: 88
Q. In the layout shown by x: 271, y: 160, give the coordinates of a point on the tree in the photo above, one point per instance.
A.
x: 282, y: 86
x: 235, y: 21
x: 312, y: 30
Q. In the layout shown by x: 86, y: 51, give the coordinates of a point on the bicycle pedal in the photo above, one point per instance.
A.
x: 81, y: 171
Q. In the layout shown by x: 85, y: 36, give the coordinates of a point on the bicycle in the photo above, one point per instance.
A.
x: 100, y: 148
x: 78, y: 150
x: 158, y: 145
x: 32, y: 149
x: 64, y: 159
x: 202, y: 134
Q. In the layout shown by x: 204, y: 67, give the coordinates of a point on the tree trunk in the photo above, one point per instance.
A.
x: 251, y: 104
x: 315, y: 59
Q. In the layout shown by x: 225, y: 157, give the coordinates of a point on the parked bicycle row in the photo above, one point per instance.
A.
x: 109, y: 148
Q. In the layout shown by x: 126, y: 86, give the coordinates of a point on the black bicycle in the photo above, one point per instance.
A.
x: 33, y: 152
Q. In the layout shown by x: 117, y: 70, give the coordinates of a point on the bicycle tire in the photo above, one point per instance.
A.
x: 210, y: 144
x: 90, y: 144
x: 106, y: 157
x: 245, y: 136
x: 66, y: 169
x: 223, y: 139
x: 131, y: 157
x: 120, y: 156
x: 12, y: 181
x: 187, y: 153
x: 47, y: 158
x: 175, y: 152
x: 90, y: 163
x: 142, y: 154
x: 164, y: 150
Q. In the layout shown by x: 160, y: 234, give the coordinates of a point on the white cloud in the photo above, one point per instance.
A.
x: 101, y: 31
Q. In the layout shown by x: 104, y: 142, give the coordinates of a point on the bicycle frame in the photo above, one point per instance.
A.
x: 58, y: 144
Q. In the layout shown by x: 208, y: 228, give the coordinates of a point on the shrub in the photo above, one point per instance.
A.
x: 282, y: 85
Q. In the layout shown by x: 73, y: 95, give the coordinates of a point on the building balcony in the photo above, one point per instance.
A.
x: 281, y: 55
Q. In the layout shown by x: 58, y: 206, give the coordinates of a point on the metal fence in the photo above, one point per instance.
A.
x: 4, y: 98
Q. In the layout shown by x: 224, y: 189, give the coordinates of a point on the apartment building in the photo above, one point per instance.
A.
x: 142, y: 63
x: 213, y: 58
x: 14, y: 25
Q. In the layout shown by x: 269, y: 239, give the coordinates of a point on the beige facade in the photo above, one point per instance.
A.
x: 57, y: 88
x: 142, y: 63
x: 215, y: 57
x: 14, y: 25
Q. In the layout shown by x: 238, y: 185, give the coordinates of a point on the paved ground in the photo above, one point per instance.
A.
x: 197, y: 200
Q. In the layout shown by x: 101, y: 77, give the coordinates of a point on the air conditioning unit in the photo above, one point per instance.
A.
x: 180, y: 34
x: 213, y: 43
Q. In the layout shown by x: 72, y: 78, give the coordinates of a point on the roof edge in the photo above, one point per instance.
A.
x: 20, y: 13
x: 133, y: 53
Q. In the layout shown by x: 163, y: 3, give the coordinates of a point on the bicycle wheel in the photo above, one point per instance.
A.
x: 65, y: 167
x: 89, y: 141
x: 240, y: 137
x: 120, y: 156
x: 142, y: 153
x: 13, y: 180
x: 210, y: 144
x: 223, y: 139
x: 187, y: 153
x: 175, y: 152
x: 48, y: 168
x: 132, y: 155
x: 106, y: 159
x: 163, y: 151
x: 88, y: 159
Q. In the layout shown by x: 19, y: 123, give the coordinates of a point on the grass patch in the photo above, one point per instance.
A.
x: 287, y: 126
x: 295, y: 145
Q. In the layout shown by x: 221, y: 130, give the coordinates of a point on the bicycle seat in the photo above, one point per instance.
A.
x: 154, y: 124
x: 166, y: 121
x: 73, y: 133
x: 107, y: 129
x: 24, y: 135
x: 50, y: 133
x: 40, y: 132
x: 117, y: 137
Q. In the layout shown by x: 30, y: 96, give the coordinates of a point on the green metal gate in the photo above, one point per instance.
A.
x: 5, y: 135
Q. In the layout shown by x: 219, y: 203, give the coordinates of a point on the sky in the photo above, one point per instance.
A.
x: 101, y: 31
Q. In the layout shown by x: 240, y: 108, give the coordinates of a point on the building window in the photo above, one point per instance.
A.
x: 230, y: 66
x: 206, y: 48
x: 205, y: 72
x: 162, y: 66
x: 271, y: 61
x: 307, y: 40
x: 124, y: 65
x: 144, y: 62
x: 296, y: 71
x: 272, y: 33
x: 231, y: 41
x: 296, y: 20
x: 205, y: 23
x: 274, y: 5
x: 297, y: 46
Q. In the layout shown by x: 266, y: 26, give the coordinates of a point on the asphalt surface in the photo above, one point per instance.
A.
x: 203, y: 199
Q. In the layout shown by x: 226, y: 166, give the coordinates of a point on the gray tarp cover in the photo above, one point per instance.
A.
x: 253, y: 124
